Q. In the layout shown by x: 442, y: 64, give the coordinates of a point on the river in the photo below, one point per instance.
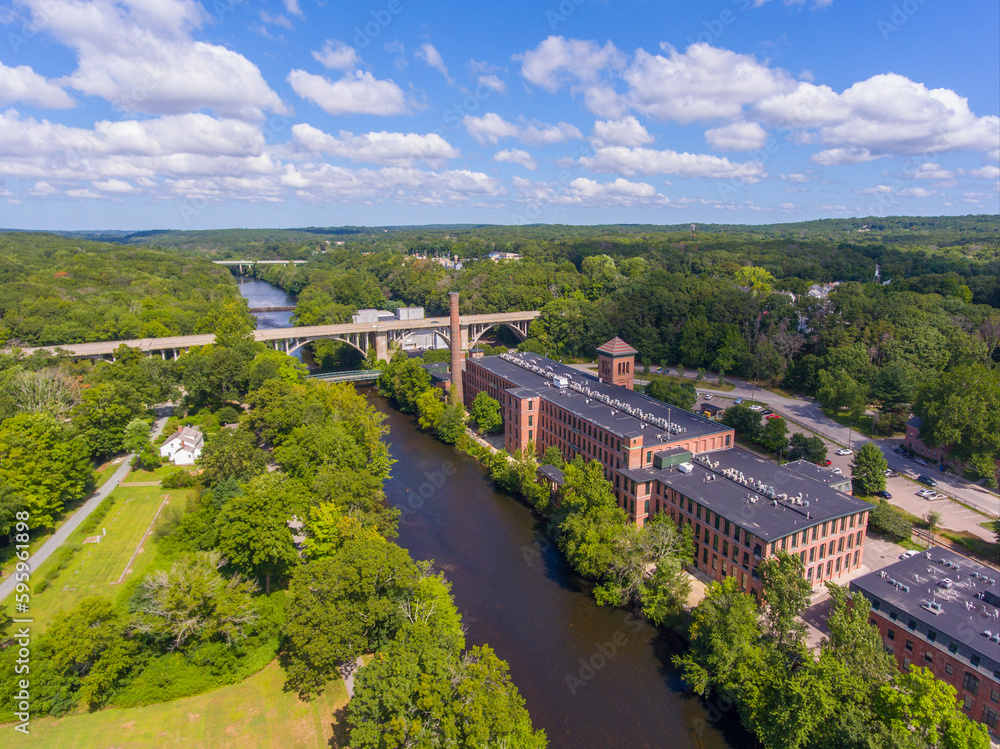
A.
x: 592, y: 677
x: 262, y: 294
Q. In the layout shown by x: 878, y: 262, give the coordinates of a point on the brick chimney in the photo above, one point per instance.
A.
x: 455, y: 393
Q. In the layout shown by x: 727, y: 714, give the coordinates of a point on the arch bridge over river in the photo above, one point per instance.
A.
x: 364, y: 337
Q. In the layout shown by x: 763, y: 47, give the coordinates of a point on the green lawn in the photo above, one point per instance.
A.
x: 96, y: 567
x: 157, y: 474
x: 105, y: 472
x: 254, y: 714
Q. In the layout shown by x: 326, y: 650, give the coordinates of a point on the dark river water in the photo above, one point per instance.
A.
x: 263, y: 294
x: 591, y: 676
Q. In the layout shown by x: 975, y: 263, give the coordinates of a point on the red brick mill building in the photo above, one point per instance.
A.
x: 660, y: 458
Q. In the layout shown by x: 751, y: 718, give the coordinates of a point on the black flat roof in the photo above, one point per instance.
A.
x: 718, y: 488
x: 968, y: 606
x: 818, y: 473
x: 614, y: 420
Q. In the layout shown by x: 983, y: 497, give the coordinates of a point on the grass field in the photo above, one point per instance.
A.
x: 157, y: 474
x: 96, y: 567
x: 254, y: 714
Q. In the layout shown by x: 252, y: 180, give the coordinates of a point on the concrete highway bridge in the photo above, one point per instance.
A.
x: 380, y: 336
x: 250, y: 263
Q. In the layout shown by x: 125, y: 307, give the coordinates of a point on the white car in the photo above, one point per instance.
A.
x: 708, y: 396
x: 756, y: 408
x: 837, y: 470
x: 908, y: 553
x: 845, y: 451
x: 926, y: 493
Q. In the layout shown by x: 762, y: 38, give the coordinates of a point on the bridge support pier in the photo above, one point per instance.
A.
x: 381, y: 346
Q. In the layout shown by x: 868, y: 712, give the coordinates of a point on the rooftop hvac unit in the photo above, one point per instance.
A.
x: 685, y: 467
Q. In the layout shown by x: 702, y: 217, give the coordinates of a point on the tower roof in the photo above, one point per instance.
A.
x: 617, y: 347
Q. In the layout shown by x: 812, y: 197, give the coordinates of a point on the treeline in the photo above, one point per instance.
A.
x: 55, y: 290
x: 296, y: 562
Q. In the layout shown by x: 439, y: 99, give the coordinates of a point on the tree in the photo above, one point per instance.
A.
x: 961, y: 411
x: 680, y: 394
x: 136, y: 442
x: 417, y: 692
x: 588, y: 519
x: 102, y: 415
x: 253, y: 530
x: 786, y: 594
x: 485, y: 411
x: 450, y: 424
x: 402, y: 381
x: 231, y: 453
x: 759, y: 280
x: 744, y: 421
x: 933, y: 520
x: 868, y: 469
x: 342, y: 606
x: 44, y: 465
x: 430, y: 406
x: 838, y: 391
x: 774, y: 436
x: 552, y: 457
x: 50, y: 390
x: 808, y: 448
x: 192, y: 602
x: 885, y: 520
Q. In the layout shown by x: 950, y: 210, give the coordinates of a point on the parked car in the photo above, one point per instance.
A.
x: 772, y: 416
x: 837, y: 471
x: 920, y: 462
x: 924, y: 479
x: 883, y: 494
x: 827, y: 462
x: 908, y: 553
x: 889, y: 473
x: 738, y: 401
x: 845, y: 451
x: 926, y: 493
x: 755, y: 407
x: 898, y: 449
x: 766, y: 412
x: 708, y: 396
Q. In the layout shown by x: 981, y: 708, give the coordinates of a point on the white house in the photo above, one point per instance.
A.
x: 183, y: 446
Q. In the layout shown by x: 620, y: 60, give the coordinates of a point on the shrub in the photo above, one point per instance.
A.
x: 179, y: 480
x: 62, y: 559
x: 889, y: 522
x: 227, y: 415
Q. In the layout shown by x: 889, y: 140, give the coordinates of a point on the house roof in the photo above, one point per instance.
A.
x: 617, y: 347
x: 187, y: 435
x: 915, y: 421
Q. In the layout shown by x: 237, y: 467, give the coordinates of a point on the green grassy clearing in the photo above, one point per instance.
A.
x: 105, y: 472
x: 254, y: 714
x: 95, y: 568
x: 157, y: 474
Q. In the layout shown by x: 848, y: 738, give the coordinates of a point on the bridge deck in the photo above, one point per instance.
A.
x: 100, y: 348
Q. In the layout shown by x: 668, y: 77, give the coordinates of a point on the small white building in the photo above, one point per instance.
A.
x: 183, y: 447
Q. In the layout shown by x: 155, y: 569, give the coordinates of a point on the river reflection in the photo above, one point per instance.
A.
x: 591, y: 676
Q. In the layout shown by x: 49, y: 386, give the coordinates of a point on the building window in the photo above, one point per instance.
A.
x: 649, y: 456
x: 949, y: 669
x: 967, y: 703
x: 822, y: 550
x: 906, y: 663
x: 909, y: 645
x: 531, y: 421
x: 974, y: 660
x: 814, y: 533
x: 911, y: 625
x: 893, y: 615
x: 953, y: 648
x: 810, y: 575
x: 928, y: 657
x: 647, y: 506
x: 840, y: 544
x: 890, y: 633
x: 995, y: 695
x: 990, y: 717
x: 531, y: 405
x: 829, y: 569
x: 812, y: 554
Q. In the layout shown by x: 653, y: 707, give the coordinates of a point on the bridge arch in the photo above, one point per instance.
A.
x: 300, y: 342
x: 400, y: 341
x: 522, y: 335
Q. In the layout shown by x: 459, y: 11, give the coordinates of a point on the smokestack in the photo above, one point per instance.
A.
x: 456, y: 350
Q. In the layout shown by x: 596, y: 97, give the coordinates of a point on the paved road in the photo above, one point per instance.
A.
x: 62, y: 533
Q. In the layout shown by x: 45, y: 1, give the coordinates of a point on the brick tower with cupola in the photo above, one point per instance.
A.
x: 616, y: 363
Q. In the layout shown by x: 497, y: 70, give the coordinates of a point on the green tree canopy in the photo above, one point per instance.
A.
x: 868, y: 469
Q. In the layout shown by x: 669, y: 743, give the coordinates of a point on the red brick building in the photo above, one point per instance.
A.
x: 660, y: 458
x: 941, y: 611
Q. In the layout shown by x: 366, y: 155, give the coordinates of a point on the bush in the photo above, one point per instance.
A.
x: 62, y: 559
x: 100, y: 512
x: 889, y: 522
x: 179, y: 480
x: 227, y: 415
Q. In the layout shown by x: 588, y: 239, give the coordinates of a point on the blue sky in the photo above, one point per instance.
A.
x: 139, y: 114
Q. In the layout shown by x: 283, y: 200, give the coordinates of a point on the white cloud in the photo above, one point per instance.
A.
x: 929, y: 170
x: 323, y: 183
x: 583, y: 191
x: 356, y: 93
x: 292, y: 6
x: 429, y: 54
x: 140, y: 56
x: 114, y: 185
x: 647, y: 161
x: 557, y: 61
x: 25, y: 85
x: 491, y: 127
x: 492, y: 82
x: 916, y: 192
x: 877, y: 190
x: 987, y: 172
x: 703, y: 83
x: 517, y: 156
x: 627, y: 131
x: 795, y: 178
x: 738, y: 136
x: 278, y: 20
x: 336, y: 55
x: 840, y: 156
x: 389, y: 149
